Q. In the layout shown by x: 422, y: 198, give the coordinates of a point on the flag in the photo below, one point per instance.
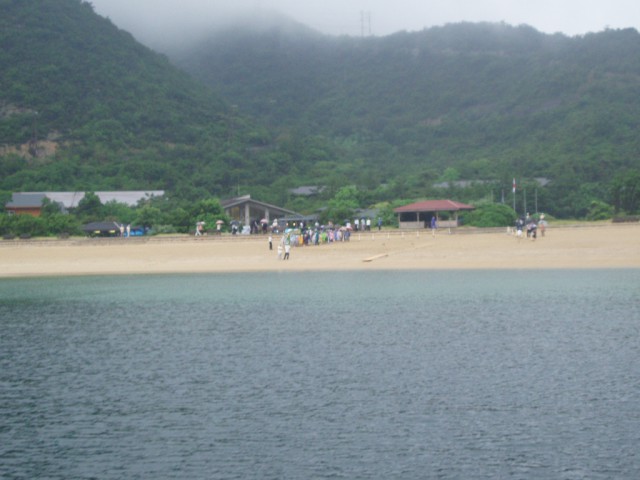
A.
x: 514, y: 185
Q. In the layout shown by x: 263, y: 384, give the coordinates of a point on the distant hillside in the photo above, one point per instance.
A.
x: 84, y: 106
x: 262, y: 108
x: 74, y: 68
x: 479, y: 100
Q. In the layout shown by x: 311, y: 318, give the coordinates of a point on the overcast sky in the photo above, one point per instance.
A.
x: 149, y: 20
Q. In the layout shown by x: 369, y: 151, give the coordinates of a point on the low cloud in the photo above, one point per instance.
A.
x: 161, y: 20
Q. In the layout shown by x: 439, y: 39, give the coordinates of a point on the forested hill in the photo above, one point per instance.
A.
x: 74, y: 68
x: 116, y: 114
x: 489, y: 100
x: 83, y: 106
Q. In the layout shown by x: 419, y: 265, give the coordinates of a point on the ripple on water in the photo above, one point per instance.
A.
x: 526, y: 374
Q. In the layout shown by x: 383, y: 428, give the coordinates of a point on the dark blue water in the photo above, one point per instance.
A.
x: 520, y: 374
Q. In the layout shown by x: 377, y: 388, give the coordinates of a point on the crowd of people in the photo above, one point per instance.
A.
x: 301, y: 234
x: 529, y: 225
x: 330, y: 231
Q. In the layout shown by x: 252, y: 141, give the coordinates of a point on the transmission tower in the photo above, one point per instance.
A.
x: 365, y: 22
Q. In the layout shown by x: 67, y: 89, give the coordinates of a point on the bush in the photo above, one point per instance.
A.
x: 55, y: 224
x: 59, y: 223
x: 26, y: 225
x: 599, y: 210
x: 491, y: 215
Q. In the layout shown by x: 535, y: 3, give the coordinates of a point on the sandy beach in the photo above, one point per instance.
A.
x: 601, y: 246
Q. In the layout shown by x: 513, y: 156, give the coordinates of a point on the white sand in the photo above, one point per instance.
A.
x: 606, y: 246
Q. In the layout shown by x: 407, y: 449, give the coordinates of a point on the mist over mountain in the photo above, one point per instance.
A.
x: 479, y: 75
x: 181, y: 44
x: 483, y: 99
x: 149, y: 20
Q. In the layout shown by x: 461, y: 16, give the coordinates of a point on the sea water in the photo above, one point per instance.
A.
x: 355, y: 375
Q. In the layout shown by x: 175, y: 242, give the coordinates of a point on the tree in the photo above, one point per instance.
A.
x: 625, y: 192
x: 148, y: 216
x: 209, y: 211
x: 90, y: 208
x: 450, y: 174
x: 61, y: 223
x: 50, y: 208
x: 600, y: 210
x: 120, y: 212
x: 342, y: 206
x: 491, y: 215
x: 22, y: 225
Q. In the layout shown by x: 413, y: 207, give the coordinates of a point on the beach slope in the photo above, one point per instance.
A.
x: 602, y: 246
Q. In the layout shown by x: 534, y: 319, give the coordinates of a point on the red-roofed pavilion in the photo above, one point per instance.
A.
x: 419, y: 214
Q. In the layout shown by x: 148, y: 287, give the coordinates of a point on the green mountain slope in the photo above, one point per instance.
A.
x: 83, y: 106
x: 74, y: 68
x: 116, y: 114
x: 486, y: 100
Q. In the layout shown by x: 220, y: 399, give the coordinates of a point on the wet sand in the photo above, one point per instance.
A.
x: 576, y: 247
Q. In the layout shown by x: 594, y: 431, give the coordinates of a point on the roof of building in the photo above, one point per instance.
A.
x: 366, y: 213
x: 236, y: 201
x: 434, y: 206
x: 101, y: 226
x: 26, y: 200
x: 71, y: 199
x: 542, y: 181
x: 307, y: 190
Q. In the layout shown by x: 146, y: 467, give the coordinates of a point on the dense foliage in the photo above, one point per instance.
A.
x: 487, y: 101
x: 83, y: 106
x: 491, y: 215
x: 155, y: 215
x: 121, y: 116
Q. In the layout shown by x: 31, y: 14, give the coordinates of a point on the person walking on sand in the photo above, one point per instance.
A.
x: 434, y: 226
x: 287, y: 249
x: 270, y: 242
x: 519, y: 227
x: 542, y: 224
x: 532, y: 229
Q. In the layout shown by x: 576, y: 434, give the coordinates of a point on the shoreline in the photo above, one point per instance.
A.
x: 563, y: 247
